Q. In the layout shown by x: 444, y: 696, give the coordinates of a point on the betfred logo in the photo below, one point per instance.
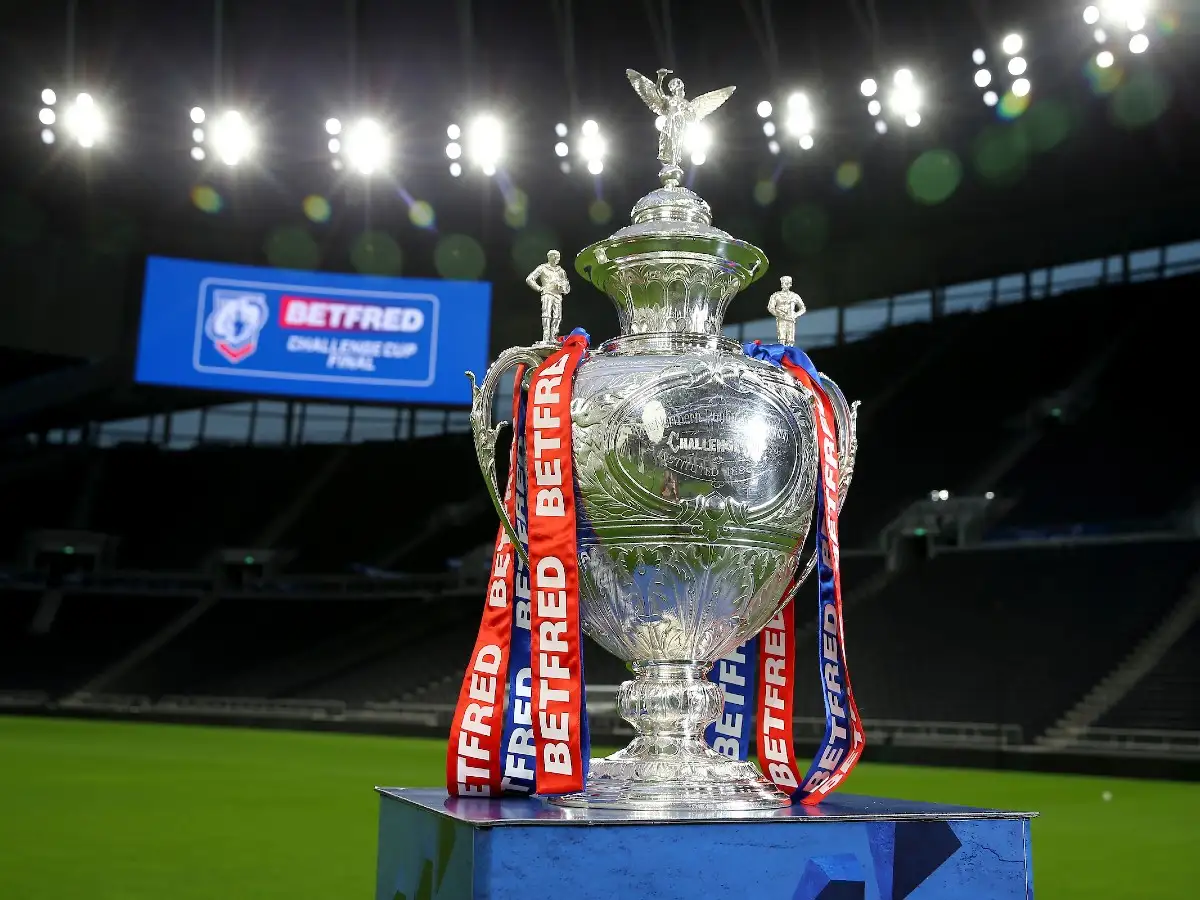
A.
x: 236, y: 320
x: 336, y: 315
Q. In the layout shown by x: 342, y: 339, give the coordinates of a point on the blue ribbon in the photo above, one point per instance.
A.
x: 775, y: 353
x: 831, y: 664
x: 737, y: 676
x: 520, y: 755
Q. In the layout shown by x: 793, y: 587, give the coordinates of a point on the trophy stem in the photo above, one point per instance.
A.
x: 669, y: 765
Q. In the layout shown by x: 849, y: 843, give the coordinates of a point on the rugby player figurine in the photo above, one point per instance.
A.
x: 551, y: 282
x: 786, y: 306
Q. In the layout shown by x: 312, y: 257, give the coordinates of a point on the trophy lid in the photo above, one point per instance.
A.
x: 671, y: 270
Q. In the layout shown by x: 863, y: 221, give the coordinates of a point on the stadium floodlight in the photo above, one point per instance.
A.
x: 561, y: 149
x: 698, y: 139
x: 979, y: 57
x: 46, y: 116
x: 591, y: 146
x: 198, y: 154
x: 905, y: 99
x: 993, y: 83
x: 368, y: 146
x: 485, y: 143
x: 84, y: 121
x: 49, y: 97
x: 1119, y: 17
x: 769, y: 129
x: 47, y: 136
x: 800, y: 120
x: 454, y: 150
x: 764, y: 109
x: 231, y: 137
x: 333, y: 126
x: 899, y: 99
x: 453, y: 132
x: 197, y: 115
x: 773, y: 147
x: 455, y: 169
x: 561, y: 129
x: 806, y: 142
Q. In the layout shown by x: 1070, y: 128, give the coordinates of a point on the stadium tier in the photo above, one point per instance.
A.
x: 1053, y: 407
x: 1166, y: 697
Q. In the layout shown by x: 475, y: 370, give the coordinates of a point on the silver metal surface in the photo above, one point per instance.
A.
x: 679, y: 116
x: 696, y: 470
x: 786, y: 306
x: 550, y: 280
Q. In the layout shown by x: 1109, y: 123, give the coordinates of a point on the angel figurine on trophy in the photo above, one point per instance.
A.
x: 679, y: 116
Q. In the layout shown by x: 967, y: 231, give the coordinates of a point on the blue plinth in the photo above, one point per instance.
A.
x: 433, y: 847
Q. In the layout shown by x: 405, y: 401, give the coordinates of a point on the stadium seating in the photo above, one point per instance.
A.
x: 84, y: 635
x: 1008, y: 635
x: 968, y: 383
x: 1117, y: 460
x: 381, y: 495
x: 1166, y: 698
x: 243, y: 646
x: 1001, y: 633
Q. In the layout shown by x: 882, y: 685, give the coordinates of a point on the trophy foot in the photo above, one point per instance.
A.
x: 669, y: 766
x: 634, y: 779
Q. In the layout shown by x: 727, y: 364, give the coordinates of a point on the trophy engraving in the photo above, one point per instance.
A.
x: 696, y: 476
x: 786, y: 306
x: 552, y: 283
x: 679, y: 115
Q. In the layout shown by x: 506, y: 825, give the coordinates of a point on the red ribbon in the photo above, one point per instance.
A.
x: 844, y: 737
x: 554, y: 622
x: 474, y: 761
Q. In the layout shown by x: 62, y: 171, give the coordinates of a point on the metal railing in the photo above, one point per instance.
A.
x: 1124, y: 742
x: 1155, y: 742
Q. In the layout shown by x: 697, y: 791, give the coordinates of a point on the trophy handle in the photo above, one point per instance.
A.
x: 846, y: 416
x: 483, y: 398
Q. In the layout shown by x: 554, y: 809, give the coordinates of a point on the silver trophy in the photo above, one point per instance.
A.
x: 696, y: 469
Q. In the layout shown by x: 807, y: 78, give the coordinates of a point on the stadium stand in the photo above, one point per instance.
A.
x: 1166, y: 698
x: 1011, y: 631
x: 1012, y: 634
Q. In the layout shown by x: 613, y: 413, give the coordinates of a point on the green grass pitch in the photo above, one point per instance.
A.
x: 116, y: 811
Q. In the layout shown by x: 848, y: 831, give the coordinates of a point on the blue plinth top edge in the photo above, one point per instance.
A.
x: 486, y: 812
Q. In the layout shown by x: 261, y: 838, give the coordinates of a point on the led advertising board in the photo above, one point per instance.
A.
x: 311, y: 334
